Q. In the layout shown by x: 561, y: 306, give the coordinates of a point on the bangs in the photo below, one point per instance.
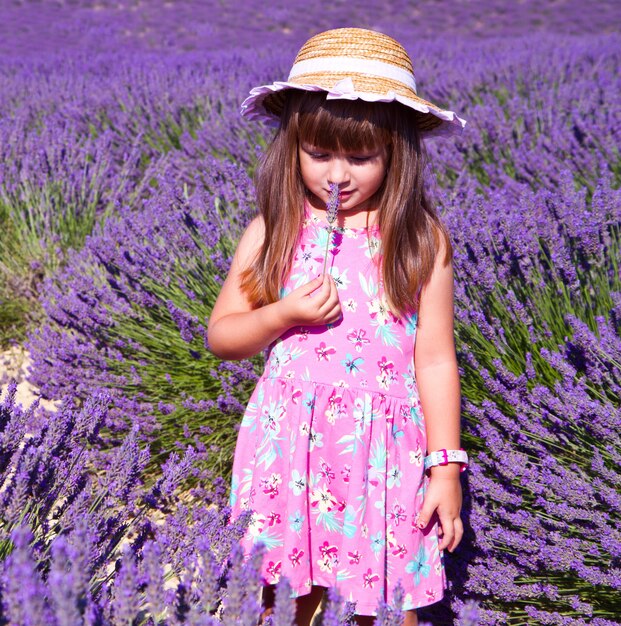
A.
x: 343, y: 125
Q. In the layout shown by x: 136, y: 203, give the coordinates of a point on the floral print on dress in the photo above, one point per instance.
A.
x: 330, y: 449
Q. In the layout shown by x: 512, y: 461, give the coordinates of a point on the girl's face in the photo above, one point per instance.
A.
x: 358, y: 174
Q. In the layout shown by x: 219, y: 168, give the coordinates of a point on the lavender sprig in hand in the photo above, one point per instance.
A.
x: 332, y: 209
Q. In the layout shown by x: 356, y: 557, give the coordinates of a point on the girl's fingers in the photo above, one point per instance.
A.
x: 330, y: 311
x: 317, y: 283
x: 326, y: 288
x: 334, y: 294
x: 459, y: 533
x: 331, y: 302
x: 447, y: 538
x: 334, y: 315
x: 336, y: 305
x: 320, y: 299
x: 451, y: 530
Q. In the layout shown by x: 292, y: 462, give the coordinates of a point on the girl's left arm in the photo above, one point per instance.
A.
x: 437, y: 376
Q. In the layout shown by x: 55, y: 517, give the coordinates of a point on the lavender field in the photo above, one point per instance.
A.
x: 125, y: 182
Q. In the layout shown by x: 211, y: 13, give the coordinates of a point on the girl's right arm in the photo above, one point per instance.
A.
x: 237, y: 330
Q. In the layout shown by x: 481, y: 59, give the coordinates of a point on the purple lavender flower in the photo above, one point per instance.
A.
x: 126, y: 602
x: 242, y: 605
x: 333, y: 203
x: 331, y: 613
x: 390, y: 614
x: 284, y: 606
x: 469, y: 614
x: 152, y: 576
x: 332, y: 208
x: 23, y: 591
x: 68, y: 581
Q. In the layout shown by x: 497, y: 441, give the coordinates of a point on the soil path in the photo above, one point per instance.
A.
x: 14, y: 364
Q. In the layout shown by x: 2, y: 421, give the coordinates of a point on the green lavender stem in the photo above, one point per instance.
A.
x: 325, y: 257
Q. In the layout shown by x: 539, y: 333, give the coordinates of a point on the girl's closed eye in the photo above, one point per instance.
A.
x: 354, y: 157
x: 315, y: 153
x: 362, y: 158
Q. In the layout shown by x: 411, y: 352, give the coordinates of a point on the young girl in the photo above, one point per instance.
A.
x: 360, y: 394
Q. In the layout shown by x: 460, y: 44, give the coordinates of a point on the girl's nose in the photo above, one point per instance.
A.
x: 338, y: 171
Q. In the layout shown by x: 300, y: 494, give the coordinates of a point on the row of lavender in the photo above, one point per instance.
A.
x: 531, y: 195
x: 81, y: 139
x: 79, y: 548
x: 43, y: 26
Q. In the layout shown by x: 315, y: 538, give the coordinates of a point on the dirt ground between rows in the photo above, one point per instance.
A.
x: 14, y: 364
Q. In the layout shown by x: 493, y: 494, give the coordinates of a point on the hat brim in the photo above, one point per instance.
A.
x: 265, y: 103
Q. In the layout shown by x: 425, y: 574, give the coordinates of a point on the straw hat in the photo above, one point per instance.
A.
x: 351, y: 64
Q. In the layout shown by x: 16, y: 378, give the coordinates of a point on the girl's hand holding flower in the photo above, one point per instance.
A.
x: 313, y: 304
x: 317, y: 302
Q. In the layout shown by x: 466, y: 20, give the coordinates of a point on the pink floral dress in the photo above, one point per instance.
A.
x: 330, y: 449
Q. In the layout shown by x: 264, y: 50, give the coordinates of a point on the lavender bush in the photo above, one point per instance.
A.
x: 534, y: 207
x: 129, y: 314
x: 106, y: 137
x: 539, y: 335
x: 45, y: 472
x: 83, y: 548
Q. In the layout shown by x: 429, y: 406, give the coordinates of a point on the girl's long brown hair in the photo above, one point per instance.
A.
x: 410, y: 229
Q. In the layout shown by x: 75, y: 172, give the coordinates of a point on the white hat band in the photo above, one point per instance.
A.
x: 360, y: 66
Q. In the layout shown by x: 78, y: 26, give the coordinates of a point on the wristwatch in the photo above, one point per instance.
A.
x: 444, y: 457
